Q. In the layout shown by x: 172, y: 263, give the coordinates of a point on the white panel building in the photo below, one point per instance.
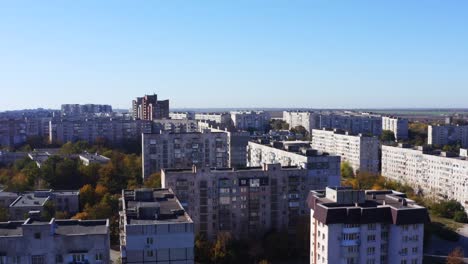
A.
x: 363, y: 227
x: 362, y: 152
x: 433, y: 173
x: 399, y: 126
x: 448, y: 134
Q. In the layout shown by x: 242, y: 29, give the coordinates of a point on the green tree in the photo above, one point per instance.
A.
x: 387, y: 135
x: 154, y: 180
x: 460, y: 217
x: 346, y: 170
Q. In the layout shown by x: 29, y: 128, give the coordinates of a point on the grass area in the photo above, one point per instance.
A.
x: 449, y: 223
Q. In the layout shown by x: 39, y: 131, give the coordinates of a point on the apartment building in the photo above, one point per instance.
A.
x: 182, y: 150
x: 399, y: 126
x: 236, y: 140
x: 154, y: 228
x: 437, y: 174
x: 175, y: 125
x: 85, y: 109
x: 448, y: 134
x: 247, y: 202
x: 149, y: 107
x: 182, y: 115
x: 12, y: 132
x: 114, y: 130
x: 20, y: 204
x: 323, y: 167
x: 246, y: 120
x: 56, y: 241
x: 308, y: 120
x: 360, y: 151
x: 363, y: 227
x: 223, y: 118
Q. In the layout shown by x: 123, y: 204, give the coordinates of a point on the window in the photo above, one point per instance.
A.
x: 37, y: 235
x: 38, y: 259
x: 351, y: 261
x: 78, y: 257
x: 371, y: 226
x: 415, y: 250
x: 404, y: 251
x: 403, y: 261
x: 370, y: 238
x: 58, y: 259
x: 414, y: 261
x: 149, y: 253
x: 17, y: 259
x: 371, y: 251
x: 149, y: 240
x: 370, y: 261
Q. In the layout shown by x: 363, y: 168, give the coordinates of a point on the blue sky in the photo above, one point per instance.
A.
x: 318, y: 54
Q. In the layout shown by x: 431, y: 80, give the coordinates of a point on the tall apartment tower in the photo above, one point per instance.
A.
x: 363, y: 227
x: 399, y: 126
x: 149, y: 108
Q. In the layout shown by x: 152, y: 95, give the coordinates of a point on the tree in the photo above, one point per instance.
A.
x: 154, y: 180
x: 299, y: 130
x: 87, y: 195
x: 447, y: 209
x: 346, y: 170
x: 202, y: 250
x: 460, y: 217
x: 220, y: 250
x: 456, y: 256
x: 387, y: 135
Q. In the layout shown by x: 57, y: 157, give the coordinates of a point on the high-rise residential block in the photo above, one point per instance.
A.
x: 448, y: 134
x: 308, y: 120
x: 86, y: 109
x: 246, y: 202
x: 360, y: 151
x: 149, y: 108
x: 436, y: 174
x: 182, y: 115
x: 182, y: 150
x: 399, y: 126
x: 154, y: 228
x: 220, y: 118
x: 247, y: 120
x: 363, y: 227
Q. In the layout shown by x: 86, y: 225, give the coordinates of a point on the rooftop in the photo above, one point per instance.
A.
x: 152, y: 206
x: 345, y: 205
x: 62, y: 227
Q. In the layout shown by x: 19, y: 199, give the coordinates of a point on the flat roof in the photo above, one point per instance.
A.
x: 62, y: 227
x: 163, y: 201
x: 29, y: 200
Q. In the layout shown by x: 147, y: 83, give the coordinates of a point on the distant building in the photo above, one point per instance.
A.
x: 12, y: 132
x: 246, y: 120
x: 448, y: 134
x: 308, y: 120
x: 8, y: 158
x: 149, y: 108
x: 155, y: 228
x: 85, y: 109
x: 56, y: 241
x: 220, y: 118
x: 246, y: 202
x: 323, y: 168
x: 182, y: 115
x: 175, y: 125
x: 362, y: 152
x: 442, y: 175
x: 23, y: 203
x: 112, y: 130
x: 399, y: 126
x: 356, y: 226
x: 182, y: 150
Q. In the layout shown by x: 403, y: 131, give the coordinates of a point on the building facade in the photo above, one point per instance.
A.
x: 219, y: 118
x: 432, y: 173
x: 246, y: 120
x: 447, y: 134
x: 182, y: 115
x: 114, y: 130
x: 149, y: 107
x: 361, y: 152
x: 363, y: 227
x: 86, y: 109
x: 308, y: 120
x: 154, y: 228
x: 246, y: 202
x: 399, y: 126
x: 58, y: 241
x: 182, y: 150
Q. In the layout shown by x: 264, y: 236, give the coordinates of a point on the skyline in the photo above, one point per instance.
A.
x: 244, y: 55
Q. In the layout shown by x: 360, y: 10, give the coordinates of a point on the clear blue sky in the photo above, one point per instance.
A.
x: 319, y: 54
